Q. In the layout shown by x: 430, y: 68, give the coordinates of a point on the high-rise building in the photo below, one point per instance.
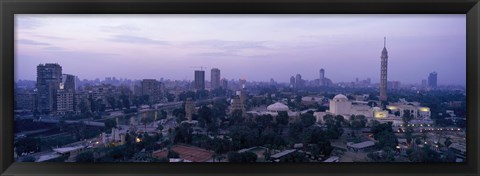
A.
x: 383, y: 72
x: 66, y: 94
x: 292, y: 81
x: 68, y: 82
x: 242, y: 82
x: 298, y: 81
x: 224, y: 84
x: 424, y: 83
x: 65, y: 101
x: 322, y: 77
x: 199, y: 83
x: 151, y: 87
x: 393, y: 84
x: 215, y: 78
x: 432, y: 80
x: 49, y: 77
x: 25, y: 101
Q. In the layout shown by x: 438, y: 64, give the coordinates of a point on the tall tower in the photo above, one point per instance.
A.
x: 215, y: 78
x: 49, y: 77
x: 322, y: 77
x: 383, y: 72
x: 199, y: 80
x: 432, y: 80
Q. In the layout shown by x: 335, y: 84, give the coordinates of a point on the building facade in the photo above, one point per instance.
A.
x: 215, y: 78
x: 49, y: 77
x: 432, y: 80
x: 152, y: 88
x: 199, y: 83
x: 66, y: 94
x: 340, y: 105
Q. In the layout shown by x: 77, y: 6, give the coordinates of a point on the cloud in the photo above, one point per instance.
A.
x: 54, y: 48
x: 215, y: 54
x: 27, y: 23
x: 231, y: 45
x: 119, y: 28
x: 51, y: 37
x: 30, y: 42
x: 136, y: 40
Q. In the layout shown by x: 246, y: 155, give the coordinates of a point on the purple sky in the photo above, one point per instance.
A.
x: 255, y: 47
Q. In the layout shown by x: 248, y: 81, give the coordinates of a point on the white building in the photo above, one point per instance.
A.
x: 277, y: 107
x: 274, y: 109
x: 340, y: 105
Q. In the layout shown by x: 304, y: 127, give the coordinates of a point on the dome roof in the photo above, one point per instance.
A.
x: 340, y: 96
x: 277, y: 107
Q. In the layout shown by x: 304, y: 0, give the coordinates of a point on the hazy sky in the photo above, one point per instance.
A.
x: 255, y: 47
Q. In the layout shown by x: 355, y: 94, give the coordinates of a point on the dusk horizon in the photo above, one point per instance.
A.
x: 254, y: 47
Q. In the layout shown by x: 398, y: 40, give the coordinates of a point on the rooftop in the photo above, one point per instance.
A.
x: 283, y: 153
x: 361, y: 145
x: 67, y: 149
x: 192, y: 153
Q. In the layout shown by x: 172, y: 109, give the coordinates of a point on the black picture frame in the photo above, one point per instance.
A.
x: 10, y: 7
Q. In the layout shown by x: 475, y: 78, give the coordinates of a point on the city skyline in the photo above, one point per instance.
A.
x: 295, y: 44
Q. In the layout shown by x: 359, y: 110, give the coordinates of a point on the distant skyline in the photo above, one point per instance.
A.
x: 255, y: 47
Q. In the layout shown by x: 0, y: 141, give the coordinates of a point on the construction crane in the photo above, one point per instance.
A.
x: 201, y: 67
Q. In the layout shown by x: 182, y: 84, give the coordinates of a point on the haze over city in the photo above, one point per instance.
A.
x: 255, y: 47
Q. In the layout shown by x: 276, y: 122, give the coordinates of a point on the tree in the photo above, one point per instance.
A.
x: 85, y: 157
x: 236, y: 117
x: 179, y: 113
x: 173, y: 154
x: 244, y: 157
x: 234, y: 157
x: 110, y: 123
x: 146, y: 120
x: 282, y: 118
x: 183, y: 134
x: 296, y: 129
x: 163, y: 114
x: 125, y: 101
x: 83, y: 106
x: 328, y: 119
x: 295, y: 157
x: 385, y: 135
x: 358, y: 122
x: 308, y: 119
x: 113, y: 103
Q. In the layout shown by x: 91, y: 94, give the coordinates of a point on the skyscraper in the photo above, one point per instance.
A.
x: 298, y: 81
x: 432, y: 80
x: 322, y: 77
x: 383, y: 72
x: 68, y: 82
x: 49, y: 77
x: 66, y: 94
x: 215, y: 78
x: 292, y: 82
x: 224, y: 84
x: 199, y: 83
